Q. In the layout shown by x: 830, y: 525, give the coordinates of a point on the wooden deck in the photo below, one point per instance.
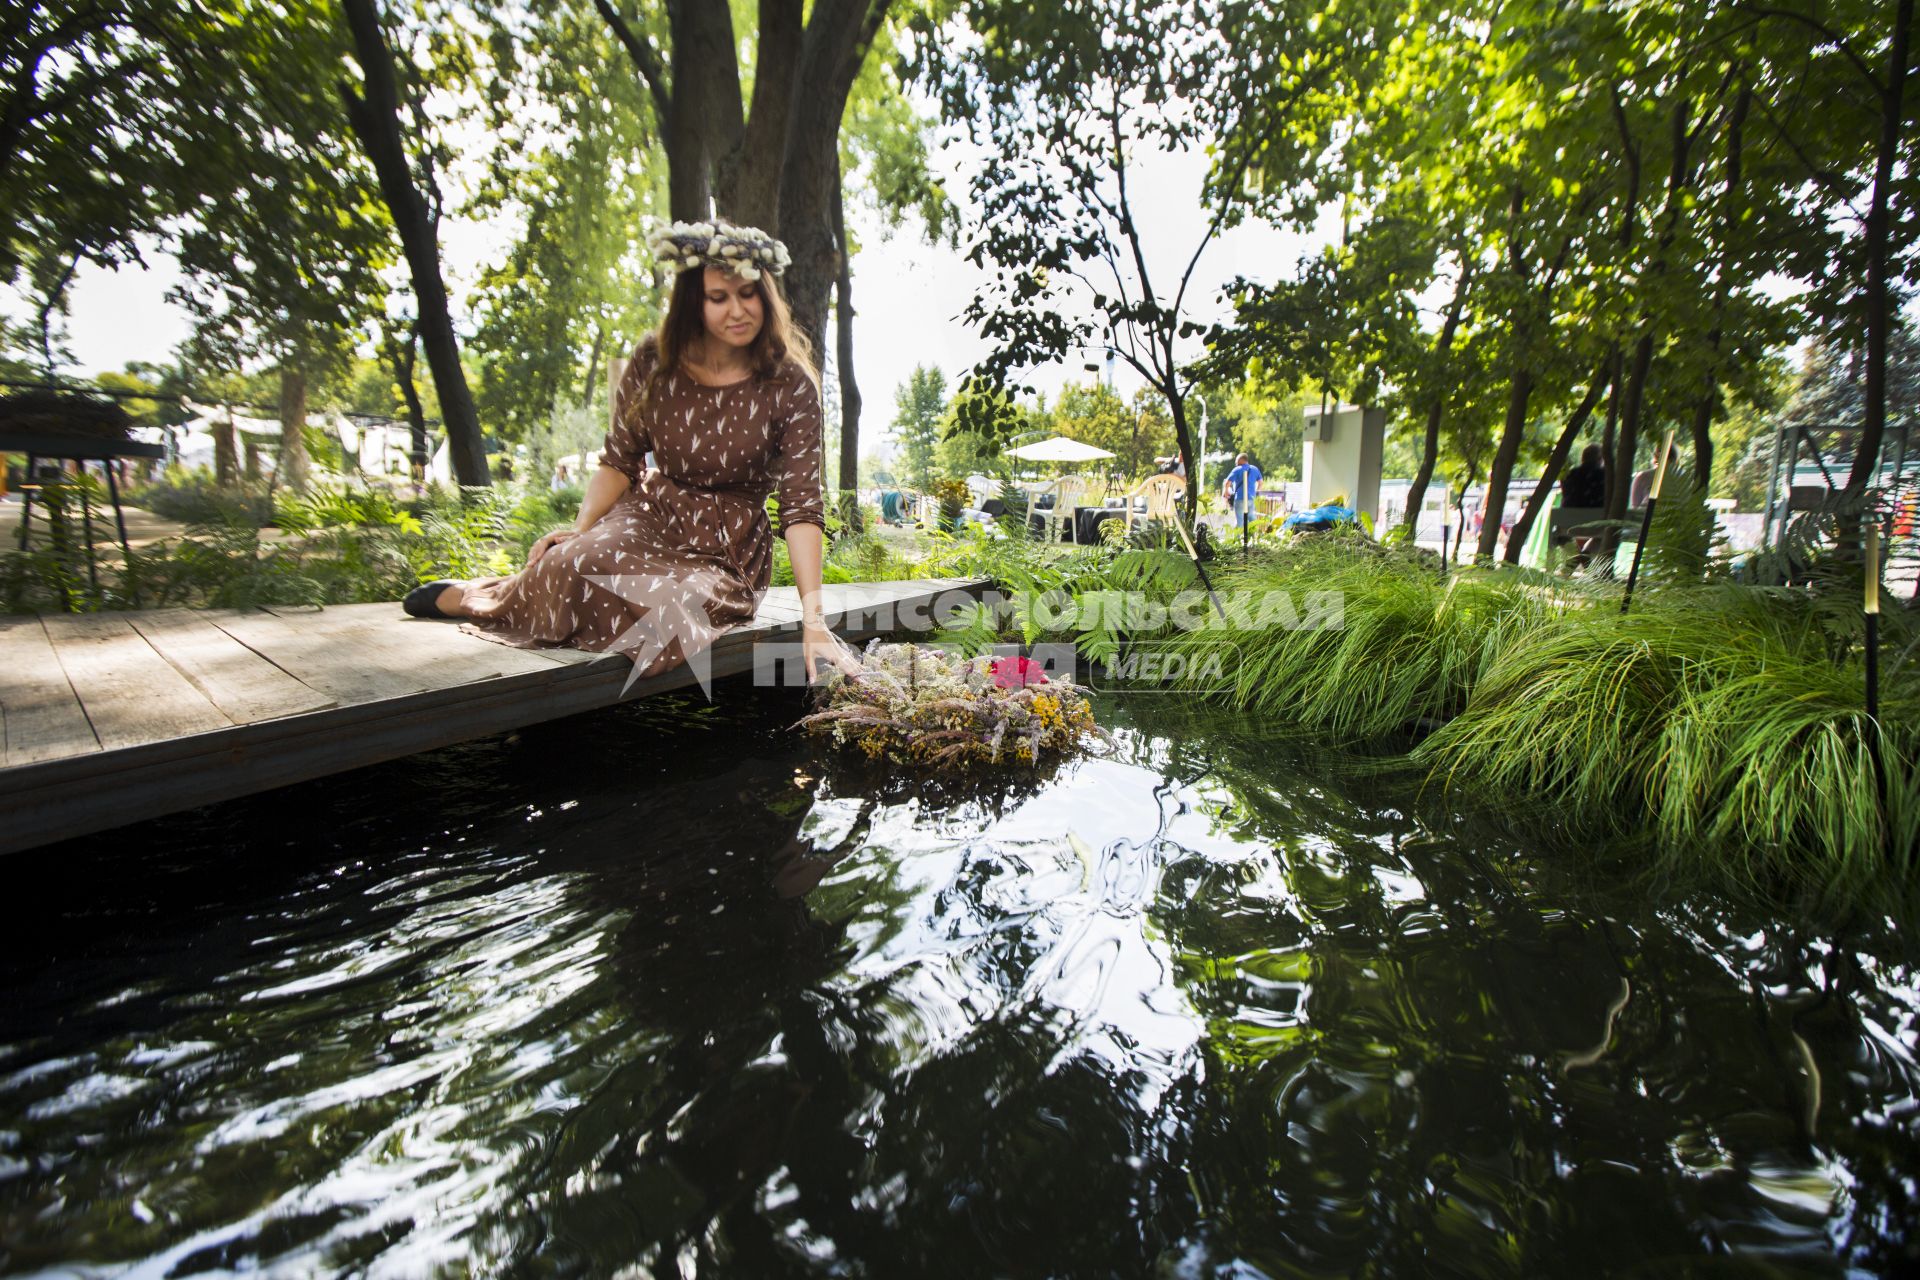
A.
x: 111, y: 718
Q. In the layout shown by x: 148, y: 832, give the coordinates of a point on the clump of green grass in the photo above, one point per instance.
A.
x: 1714, y: 721
x: 1409, y: 647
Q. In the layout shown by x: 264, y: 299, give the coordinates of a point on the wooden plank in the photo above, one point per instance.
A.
x: 571, y: 665
x: 556, y: 681
x: 312, y: 746
x: 131, y: 694
x: 244, y: 685
x: 43, y: 717
x: 58, y: 798
x: 362, y: 653
x: 776, y: 609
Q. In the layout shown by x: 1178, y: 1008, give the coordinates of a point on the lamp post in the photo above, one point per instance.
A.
x: 1200, y: 463
x: 1872, y: 607
x: 1871, y: 604
x: 1646, y: 518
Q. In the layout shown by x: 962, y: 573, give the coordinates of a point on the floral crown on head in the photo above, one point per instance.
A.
x: 745, y: 251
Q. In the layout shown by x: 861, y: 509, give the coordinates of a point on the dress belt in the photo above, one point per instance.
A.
x: 749, y: 492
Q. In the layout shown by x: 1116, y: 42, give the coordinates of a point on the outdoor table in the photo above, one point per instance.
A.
x: 39, y: 444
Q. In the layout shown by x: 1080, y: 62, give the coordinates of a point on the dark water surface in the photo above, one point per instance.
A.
x: 644, y: 993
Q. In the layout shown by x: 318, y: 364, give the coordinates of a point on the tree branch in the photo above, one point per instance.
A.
x: 1827, y: 33
x: 644, y: 58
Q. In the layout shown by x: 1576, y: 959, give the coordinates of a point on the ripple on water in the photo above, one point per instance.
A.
x: 655, y: 990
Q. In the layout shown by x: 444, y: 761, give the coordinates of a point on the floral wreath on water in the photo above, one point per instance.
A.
x: 745, y: 251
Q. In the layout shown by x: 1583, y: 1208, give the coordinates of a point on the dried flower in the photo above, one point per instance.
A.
x: 914, y: 705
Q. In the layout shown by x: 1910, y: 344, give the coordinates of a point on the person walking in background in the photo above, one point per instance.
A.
x: 1586, y: 484
x: 1238, y: 489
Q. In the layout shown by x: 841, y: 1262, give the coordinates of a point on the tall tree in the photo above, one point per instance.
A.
x: 374, y: 108
x: 105, y: 107
x: 1856, y: 60
x: 575, y: 284
x: 883, y: 157
x: 771, y: 163
x: 286, y: 266
x: 920, y: 404
x: 1067, y: 98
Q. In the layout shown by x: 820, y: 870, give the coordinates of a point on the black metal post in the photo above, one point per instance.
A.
x: 119, y: 516
x: 1633, y: 574
x: 86, y: 523
x: 27, y: 490
x: 1873, y: 713
x: 120, y: 519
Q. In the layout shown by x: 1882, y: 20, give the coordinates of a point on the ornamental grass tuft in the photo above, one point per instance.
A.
x: 1408, y: 646
x: 1714, y: 720
x: 1708, y: 719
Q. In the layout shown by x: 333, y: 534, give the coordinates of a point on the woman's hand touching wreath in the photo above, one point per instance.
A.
x: 825, y: 650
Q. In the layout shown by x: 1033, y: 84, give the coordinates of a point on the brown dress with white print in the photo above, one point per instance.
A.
x: 687, y: 551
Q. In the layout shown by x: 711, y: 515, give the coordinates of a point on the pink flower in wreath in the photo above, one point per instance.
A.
x: 1015, y: 673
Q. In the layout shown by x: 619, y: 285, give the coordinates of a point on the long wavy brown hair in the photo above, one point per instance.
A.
x: 683, y: 329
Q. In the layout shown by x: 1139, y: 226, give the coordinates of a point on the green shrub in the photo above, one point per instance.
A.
x: 190, y: 496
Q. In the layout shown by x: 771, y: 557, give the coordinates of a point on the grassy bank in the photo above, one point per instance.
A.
x: 1713, y: 720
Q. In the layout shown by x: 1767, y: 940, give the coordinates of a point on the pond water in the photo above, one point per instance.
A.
x: 656, y: 992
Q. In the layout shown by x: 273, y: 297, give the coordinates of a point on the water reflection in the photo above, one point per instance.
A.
x: 662, y: 992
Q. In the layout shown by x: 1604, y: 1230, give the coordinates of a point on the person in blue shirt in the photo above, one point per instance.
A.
x: 1238, y: 489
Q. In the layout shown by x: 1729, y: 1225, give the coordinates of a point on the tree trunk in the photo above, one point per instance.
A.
x: 595, y: 370
x: 1873, y: 417
x: 1622, y: 464
x: 705, y: 123
x: 375, y: 119
x: 403, y: 356
x: 1460, y: 524
x: 226, y: 451
x: 1704, y: 408
x: 292, y: 470
x: 838, y: 35
x: 1549, y: 474
x: 1430, y: 446
x: 1500, y: 471
x: 1607, y: 437
x: 747, y: 176
x: 843, y: 362
x: 1177, y: 408
x: 1679, y: 175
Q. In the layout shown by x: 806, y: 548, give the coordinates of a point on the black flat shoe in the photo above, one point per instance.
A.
x: 423, y: 601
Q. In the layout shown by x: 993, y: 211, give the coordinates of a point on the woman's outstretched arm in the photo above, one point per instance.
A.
x: 805, y: 544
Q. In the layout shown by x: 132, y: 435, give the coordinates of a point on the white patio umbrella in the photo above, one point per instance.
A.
x: 1058, y: 449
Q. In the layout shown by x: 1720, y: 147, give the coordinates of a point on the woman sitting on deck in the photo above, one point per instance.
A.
x: 662, y: 560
